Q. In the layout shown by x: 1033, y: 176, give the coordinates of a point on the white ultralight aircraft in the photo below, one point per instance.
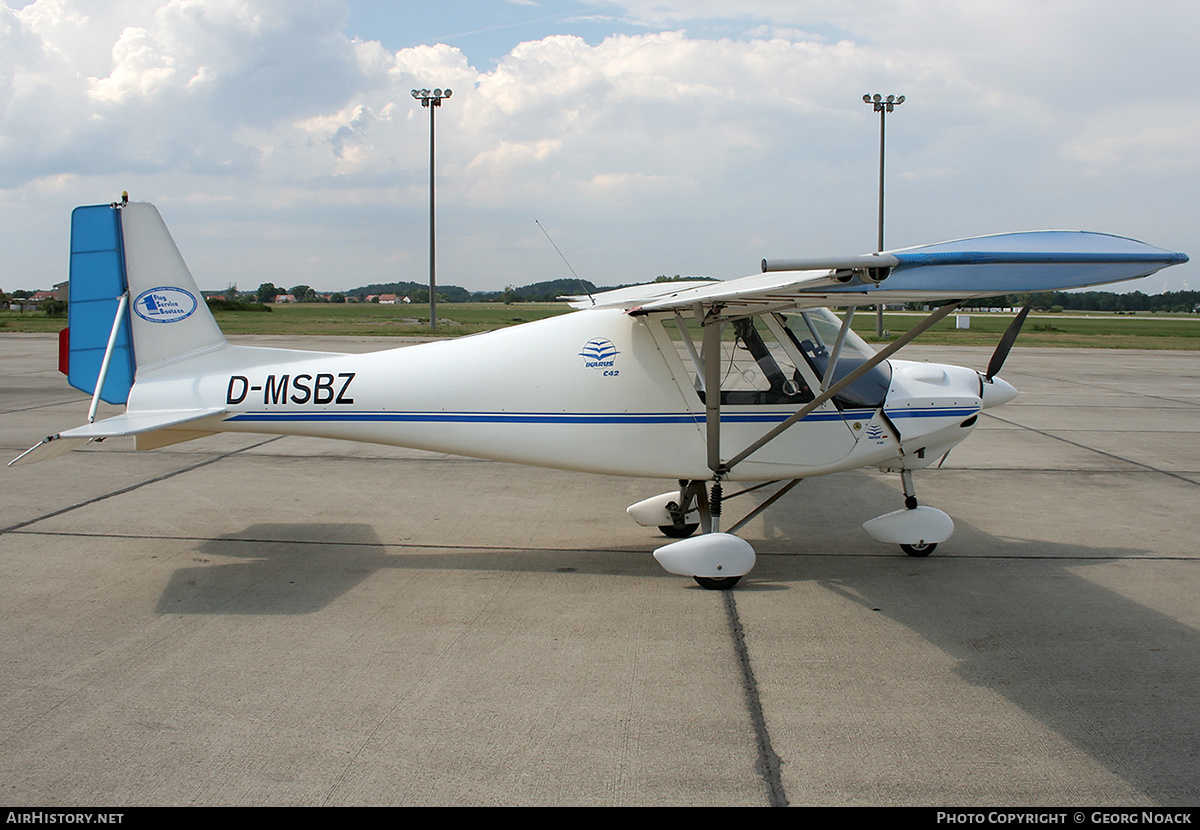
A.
x: 750, y: 379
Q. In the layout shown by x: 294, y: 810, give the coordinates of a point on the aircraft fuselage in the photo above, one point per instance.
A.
x: 597, y: 391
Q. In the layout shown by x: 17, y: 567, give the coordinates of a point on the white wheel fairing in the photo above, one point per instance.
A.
x: 919, y: 526
x: 711, y: 555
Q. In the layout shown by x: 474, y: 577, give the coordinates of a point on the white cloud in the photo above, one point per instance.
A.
x: 1139, y: 138
x: 140, y: 69
x: 693, y: 143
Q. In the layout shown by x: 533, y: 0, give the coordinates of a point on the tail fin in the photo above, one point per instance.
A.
x: 133, y: 307
x: 126, y: 248
x: 170, y: 319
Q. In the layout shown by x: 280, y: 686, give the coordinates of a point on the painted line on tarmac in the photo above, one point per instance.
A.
x: 133, y: 487
x: 1104, y: 453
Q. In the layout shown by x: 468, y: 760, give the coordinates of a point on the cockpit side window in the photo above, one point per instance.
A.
x: 777, y: 381
x: 755, y: 369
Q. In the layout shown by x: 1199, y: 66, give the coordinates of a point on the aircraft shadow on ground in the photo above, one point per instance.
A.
x: 1112, y: 675
x: 295, y: 568
x: 1116, y: 678
x: 1020, y: 617
x: 281, y: 569
x: 1015, y: 615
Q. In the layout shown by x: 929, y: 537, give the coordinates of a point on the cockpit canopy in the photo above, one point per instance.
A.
x: 773, y: 359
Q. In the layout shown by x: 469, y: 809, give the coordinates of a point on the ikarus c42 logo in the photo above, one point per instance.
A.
x: 165, y: 304
x: 600, y: 353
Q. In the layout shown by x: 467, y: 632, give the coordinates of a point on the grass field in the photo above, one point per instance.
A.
x: 344, y: 319
x: 1144, y: 331
x: 1107, y: 331
x: 454, y: 319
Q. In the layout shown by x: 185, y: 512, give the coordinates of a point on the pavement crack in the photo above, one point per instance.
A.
x: 768, y: 763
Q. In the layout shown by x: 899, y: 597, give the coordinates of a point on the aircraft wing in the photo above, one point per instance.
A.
x: 983, y: 266
x: 632, y: 294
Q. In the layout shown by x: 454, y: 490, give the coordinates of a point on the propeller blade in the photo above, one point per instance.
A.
x: 1006, y: 342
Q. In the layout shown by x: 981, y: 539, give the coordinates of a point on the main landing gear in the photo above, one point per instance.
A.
x: 716, y: 560
x: 679, y: 529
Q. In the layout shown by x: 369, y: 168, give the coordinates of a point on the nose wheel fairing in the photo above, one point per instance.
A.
x: 917, y: 527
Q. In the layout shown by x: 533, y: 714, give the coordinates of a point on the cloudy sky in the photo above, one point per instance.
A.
x: 281, y: 143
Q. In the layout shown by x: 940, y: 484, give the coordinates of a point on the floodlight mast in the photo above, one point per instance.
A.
x: 882, y: 106
x: 431, y: 100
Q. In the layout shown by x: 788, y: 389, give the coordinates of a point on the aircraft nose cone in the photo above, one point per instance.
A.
x: 997, y: 392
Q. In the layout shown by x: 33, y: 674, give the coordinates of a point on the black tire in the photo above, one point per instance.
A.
x: 919, y: 550
x: 681, y: 531
x: 718, y: 583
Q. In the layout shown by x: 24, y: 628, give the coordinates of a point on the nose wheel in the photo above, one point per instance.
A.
x: 923, y: 549
x: 717, y: 584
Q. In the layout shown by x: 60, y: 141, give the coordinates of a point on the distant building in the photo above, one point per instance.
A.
x: 33, y: 302
x: 387, y: 299
x: 284, y: 298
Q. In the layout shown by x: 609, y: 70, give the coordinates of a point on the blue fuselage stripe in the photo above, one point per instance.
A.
x: 933, y: 412
x: 585, y: 417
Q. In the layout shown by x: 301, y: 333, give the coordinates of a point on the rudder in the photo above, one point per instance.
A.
x: 97, y: 282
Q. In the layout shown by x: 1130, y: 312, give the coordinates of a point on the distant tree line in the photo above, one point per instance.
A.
x: 552, y: 290
x: 547, y: 291
x: 1175, y: 301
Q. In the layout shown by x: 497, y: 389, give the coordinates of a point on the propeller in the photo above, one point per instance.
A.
x: 1006, y: 342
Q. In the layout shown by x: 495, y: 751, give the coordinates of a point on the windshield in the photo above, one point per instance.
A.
x: 815, y: 333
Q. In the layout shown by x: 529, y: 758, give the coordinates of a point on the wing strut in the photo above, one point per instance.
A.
x: 712, y: 389
x: 714, y: 462
x: 837, y: 347
x: 697, y: 363
x: 776, y: 496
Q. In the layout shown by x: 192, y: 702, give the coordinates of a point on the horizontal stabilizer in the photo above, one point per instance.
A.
x: 130, y: 423
x: 52, y: 446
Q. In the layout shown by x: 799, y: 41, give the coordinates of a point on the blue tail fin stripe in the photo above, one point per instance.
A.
x: 97, y: 276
